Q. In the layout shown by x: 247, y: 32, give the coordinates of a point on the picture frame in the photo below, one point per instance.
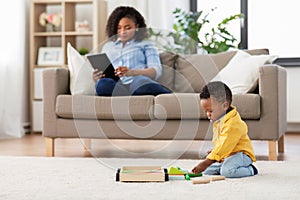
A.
x: 50, y: 56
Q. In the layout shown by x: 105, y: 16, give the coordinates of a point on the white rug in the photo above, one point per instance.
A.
x: 89, y: 178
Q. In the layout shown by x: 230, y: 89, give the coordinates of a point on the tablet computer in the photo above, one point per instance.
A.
x: 101, y: 62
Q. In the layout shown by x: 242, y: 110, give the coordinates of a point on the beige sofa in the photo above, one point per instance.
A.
x: 175, y: 116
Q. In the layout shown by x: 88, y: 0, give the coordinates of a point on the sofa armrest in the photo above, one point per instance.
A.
x: 272, y: 89
x: 55, y: 82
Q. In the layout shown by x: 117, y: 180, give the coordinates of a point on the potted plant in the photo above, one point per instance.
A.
x: 188, y: 36
x: 82, y: 51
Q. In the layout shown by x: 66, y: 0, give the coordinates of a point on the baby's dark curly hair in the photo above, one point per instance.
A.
x: 128, y: 12
x: 217, y: 89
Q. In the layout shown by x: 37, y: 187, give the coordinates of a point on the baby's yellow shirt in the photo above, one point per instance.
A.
x: 230, y: 137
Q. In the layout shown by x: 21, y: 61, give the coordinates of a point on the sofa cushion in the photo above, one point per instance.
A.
x: 193, y: 72
x: 223, y: 58
x: 177, y: 106
x: 248, y: 105
x: 81, y: 80
x: 167, y: 60
x: 167, y: 106
x: 96, y: 107
x: 187, y: 106
x: 242, y: 72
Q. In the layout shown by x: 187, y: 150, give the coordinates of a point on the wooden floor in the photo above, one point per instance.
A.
x: 34, y: 145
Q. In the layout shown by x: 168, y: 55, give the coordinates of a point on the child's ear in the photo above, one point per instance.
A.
x: 226, y: 105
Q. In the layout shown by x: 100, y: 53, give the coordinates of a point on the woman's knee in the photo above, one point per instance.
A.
x: 140, y: 84
x: 142, y: 80
x: 105, y: 86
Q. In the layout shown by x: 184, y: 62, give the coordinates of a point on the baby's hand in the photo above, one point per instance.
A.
x: 196, y: 169
x: 208, y: 152
x: 202, y: 166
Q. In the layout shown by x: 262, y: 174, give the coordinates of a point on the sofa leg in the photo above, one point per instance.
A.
x: 87, y: 147
x: 87, y: 144
x: 281, y: 144
x: 272, y: 150
x: 49, y: 146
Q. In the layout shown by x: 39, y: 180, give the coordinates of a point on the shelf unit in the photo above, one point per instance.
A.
x: 93, y: 11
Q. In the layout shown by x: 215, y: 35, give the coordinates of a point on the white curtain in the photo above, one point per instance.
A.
x: 13, y: 68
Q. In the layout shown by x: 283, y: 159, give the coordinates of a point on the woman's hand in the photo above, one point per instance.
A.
x: 122, y: 71
x: 125, y: 71
x: 97, y: 75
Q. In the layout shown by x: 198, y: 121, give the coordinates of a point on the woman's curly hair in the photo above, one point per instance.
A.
x: 128, y: 12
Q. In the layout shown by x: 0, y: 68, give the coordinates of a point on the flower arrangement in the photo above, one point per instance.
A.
x: 53, y: 19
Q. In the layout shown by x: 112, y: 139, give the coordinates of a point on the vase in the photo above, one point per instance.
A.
x: 50, y: 28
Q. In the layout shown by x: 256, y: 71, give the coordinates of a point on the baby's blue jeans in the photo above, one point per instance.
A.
x: 141, y: 85
x: 235, y: 166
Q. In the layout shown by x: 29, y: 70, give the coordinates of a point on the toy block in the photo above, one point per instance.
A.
x: 217, y: 178
x: 177, y: 171
x: 201, y: 181
x: 208, y: 179
x: 177, y: 177
x: 142, y: 174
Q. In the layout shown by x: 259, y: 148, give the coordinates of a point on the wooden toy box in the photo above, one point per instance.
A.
x: 142, y: 174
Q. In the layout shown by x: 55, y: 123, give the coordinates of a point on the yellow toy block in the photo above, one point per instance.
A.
x: 176, y: 171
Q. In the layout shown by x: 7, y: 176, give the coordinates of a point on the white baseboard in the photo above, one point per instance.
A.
x: 293, y: 127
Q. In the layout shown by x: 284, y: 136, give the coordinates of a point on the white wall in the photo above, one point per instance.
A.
x: 160, y: 12
x: 275, y: 24
x: 157, y: 13
x: 293, y: 96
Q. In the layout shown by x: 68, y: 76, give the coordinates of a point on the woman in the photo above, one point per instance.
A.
x: 136, y: 61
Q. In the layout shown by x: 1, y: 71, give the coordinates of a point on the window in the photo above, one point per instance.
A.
x: 223, y: 9
x: 271, y: 24
x: 274, y: 24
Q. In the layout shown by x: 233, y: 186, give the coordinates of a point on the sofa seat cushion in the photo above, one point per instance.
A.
x: 177, y: 106
x: 187, y: 106
x: 96, y: 107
